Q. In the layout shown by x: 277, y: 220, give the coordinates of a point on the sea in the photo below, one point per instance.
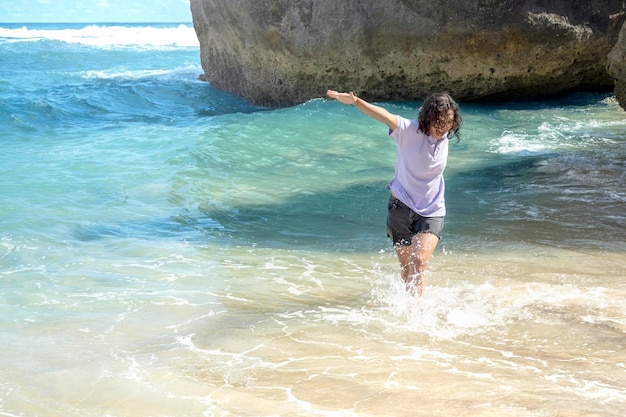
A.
x: 169, y: 249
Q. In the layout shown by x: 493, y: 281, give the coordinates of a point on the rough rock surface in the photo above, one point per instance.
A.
x: 283, y: 52
x: 617, y: 67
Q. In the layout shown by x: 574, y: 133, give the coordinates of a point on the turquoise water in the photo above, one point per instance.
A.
x: 166, y: 248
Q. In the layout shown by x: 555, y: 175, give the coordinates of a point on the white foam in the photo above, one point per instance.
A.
x: 523, y: 144
x: 559, y: 134
x: 123, y: 74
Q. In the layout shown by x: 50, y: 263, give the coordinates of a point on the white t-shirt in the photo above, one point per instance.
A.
x: 420, y: 163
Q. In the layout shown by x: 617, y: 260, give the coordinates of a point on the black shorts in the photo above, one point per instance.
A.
x: 403, y: 223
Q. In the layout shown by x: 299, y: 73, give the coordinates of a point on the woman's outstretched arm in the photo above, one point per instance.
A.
x: 372, y: 110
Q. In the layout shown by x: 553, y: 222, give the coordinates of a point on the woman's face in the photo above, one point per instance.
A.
x: 442, y: 126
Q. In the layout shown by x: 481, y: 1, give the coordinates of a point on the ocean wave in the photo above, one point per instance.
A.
x: 127, y: 74
x: 590, y: 122
x: 521, y: 144
x: 551, y: 137
x: 104, y: 36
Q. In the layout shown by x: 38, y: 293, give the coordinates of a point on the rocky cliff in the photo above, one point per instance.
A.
x: 617, y: 67
x: 283, y: 52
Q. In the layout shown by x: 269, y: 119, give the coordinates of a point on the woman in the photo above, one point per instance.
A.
x: 416, y: 207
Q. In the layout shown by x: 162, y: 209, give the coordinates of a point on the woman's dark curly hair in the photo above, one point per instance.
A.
x: 435, y: 109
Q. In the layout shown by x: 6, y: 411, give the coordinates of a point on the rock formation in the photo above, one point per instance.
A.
x: 617, y: 67
x: 282, y: 52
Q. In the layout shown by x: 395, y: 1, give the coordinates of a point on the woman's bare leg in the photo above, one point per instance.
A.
x: 414, y: 260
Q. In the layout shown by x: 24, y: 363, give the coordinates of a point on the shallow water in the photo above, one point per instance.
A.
x: 168, y: 249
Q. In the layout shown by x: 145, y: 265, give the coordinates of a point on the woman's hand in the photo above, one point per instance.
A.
x: 345, y: 98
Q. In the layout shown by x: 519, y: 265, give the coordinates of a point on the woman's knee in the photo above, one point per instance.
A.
x: 423, y: 246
